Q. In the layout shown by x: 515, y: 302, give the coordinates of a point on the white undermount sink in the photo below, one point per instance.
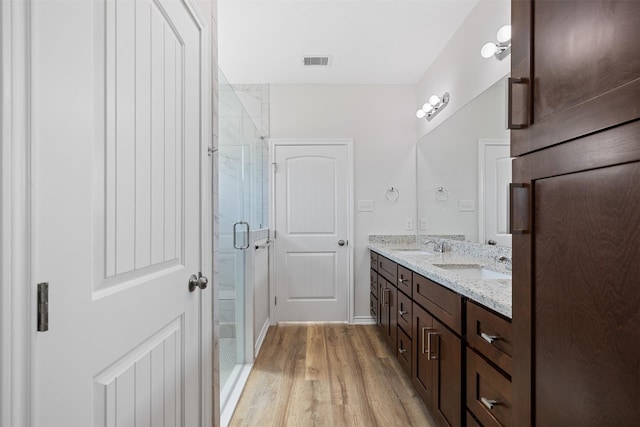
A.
x: 473, y: 271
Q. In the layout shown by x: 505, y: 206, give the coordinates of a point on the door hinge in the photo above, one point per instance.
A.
x: 275, y: 167
x: 210, y: 150
x: 43, y: 306
x: 274, y: 234
x: 276, y: 300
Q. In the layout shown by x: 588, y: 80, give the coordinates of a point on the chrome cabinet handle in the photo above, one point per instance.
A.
x: 402, y: 313
x: 385, y: 301
x: 489, y: 403
x: 401, y: 280
x: 489, y: 338
x: 198, y: 281
x: 402, y: 350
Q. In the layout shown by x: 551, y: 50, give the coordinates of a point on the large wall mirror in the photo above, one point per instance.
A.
x: 463, y: 171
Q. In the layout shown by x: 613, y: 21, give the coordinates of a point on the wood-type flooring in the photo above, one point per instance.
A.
x: 328, y: 374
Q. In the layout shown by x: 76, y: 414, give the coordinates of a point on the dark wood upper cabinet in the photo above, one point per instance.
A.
x: 575, y: 69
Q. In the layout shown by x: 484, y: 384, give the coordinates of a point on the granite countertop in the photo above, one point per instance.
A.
x: 494, y: 294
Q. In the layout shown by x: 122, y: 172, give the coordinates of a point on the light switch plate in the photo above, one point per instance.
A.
x: 466, y: 205
x: 365, y: 205
x: 408, y: 224
x: 424, y: 224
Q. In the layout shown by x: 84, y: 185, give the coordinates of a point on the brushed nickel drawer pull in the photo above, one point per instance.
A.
x: 402, y: 350
x: 385, y: 301
x: 402, y: 313
x: 489, y: 403
x: 423, y: 342
x: 401, y: 280
x: 489, y: 338
x: 429, y: 335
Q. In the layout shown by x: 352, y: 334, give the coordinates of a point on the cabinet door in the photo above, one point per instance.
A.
x: 421, y: 366
x: 373, y: 281
x: 373, y: 306
x: 575, y: 275
x: 446, y: 357
x: 579, y: 67
x: 383, y: 306
x: 392, y: 332
x: 404, y: 351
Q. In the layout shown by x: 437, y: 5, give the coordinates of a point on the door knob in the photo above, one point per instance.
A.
x: 341, y: 242
x: 197, y: 282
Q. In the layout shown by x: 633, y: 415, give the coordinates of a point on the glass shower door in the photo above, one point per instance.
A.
x: 236, y: 187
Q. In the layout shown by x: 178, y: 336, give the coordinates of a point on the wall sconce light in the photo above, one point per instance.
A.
x: 433, y: 107
x: 501, y: 49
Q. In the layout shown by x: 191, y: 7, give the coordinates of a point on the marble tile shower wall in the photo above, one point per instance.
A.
x: 255, y: 99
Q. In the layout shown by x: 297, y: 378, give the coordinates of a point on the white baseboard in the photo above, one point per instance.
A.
x: 364, y: 320
x: 260, y: 340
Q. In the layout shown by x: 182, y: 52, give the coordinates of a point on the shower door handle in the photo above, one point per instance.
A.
x: 235, y: 235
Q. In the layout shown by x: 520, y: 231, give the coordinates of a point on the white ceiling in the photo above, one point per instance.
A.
x: 370, y: 41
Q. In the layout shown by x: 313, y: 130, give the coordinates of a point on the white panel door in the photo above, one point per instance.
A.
x: 116, y: 124
x: 311, y: 218
x: 495, y: 176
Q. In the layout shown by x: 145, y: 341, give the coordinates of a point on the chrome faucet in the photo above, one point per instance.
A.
x: 437, y: 246
x: 506, y: 260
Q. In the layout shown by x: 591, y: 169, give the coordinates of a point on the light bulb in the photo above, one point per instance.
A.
x: 488, y: 50
x: 434, y: 100
x: 504, y: 34
x: 427, y: 108
x: 420, y: 114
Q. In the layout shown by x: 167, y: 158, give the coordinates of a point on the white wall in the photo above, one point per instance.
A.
x: 381, y: 121
x: 459, y: 69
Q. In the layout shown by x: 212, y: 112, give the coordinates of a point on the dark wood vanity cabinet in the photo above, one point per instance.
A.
x: 575, y: 212
x: 387, y: 309
x: 373, y: 286
x: 437, y: 367
x: 488, y: 367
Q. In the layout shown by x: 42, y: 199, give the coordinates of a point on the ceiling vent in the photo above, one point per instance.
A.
x: 311, y: 61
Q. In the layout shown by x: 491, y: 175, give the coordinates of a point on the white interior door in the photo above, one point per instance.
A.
x: 116, y: 122
x: 495, y: 176
x: 312, y: 208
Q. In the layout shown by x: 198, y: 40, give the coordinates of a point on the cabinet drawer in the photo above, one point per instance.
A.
x: 373, y: 306
x: 405, y: 280
x: 373, y: 281
x: 388, y: 269
x: 405, y: 316
x: 404, y: 351
x: 374, y: 260
x: 490, y: 334
x: 440, y: 301
x: 488, y: 392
